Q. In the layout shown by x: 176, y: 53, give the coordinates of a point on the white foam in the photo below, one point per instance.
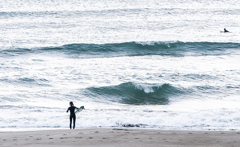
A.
x: 101, y: 22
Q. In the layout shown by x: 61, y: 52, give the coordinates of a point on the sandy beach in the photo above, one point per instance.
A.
x: 120, y: 138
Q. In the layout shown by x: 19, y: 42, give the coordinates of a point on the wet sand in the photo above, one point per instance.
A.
x: 120, y: 138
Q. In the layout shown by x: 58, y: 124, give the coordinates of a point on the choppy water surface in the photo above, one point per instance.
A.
x: 154, y: 64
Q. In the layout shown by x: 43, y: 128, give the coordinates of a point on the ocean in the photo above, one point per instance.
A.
x: 160, y: 64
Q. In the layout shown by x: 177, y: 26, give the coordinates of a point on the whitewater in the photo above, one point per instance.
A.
x: 148, y: 64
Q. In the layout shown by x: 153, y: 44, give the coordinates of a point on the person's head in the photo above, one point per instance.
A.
x: 71, y: 103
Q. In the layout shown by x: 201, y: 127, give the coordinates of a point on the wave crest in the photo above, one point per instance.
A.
x: 130, y: 93
x: 131, y: 49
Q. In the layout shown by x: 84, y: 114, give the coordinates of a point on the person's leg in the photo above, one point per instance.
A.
x: 70, y: 122
x: 74, y: 120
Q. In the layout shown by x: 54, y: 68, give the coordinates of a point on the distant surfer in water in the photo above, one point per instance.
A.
x: 225, y: 30
x: 72, y: 114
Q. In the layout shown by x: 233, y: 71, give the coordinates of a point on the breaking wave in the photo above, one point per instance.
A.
x: 134, y: 94
x: 130, y: 49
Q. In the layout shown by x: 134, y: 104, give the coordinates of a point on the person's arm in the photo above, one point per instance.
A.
x: 76, y: 107
x: 67, y: 110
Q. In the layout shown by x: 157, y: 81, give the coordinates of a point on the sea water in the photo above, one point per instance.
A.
x: 159, y: 64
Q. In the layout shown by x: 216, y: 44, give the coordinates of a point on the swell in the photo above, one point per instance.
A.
x: 157, y: 94
x: 134, y: 94
x: 27, y: 82
x: 130, y: 49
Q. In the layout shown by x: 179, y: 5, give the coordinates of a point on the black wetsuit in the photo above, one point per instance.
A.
x: 72, y: 116
x: 225, y: 30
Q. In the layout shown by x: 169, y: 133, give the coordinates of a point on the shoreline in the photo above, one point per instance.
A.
x: 120, y: 137
x: 17, y: 129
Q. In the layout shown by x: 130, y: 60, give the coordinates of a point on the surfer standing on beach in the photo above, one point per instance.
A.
x: 72, y: 114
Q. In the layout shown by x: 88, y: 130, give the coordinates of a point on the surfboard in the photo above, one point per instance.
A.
x: 79, y: 109
x: 224, y: 32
